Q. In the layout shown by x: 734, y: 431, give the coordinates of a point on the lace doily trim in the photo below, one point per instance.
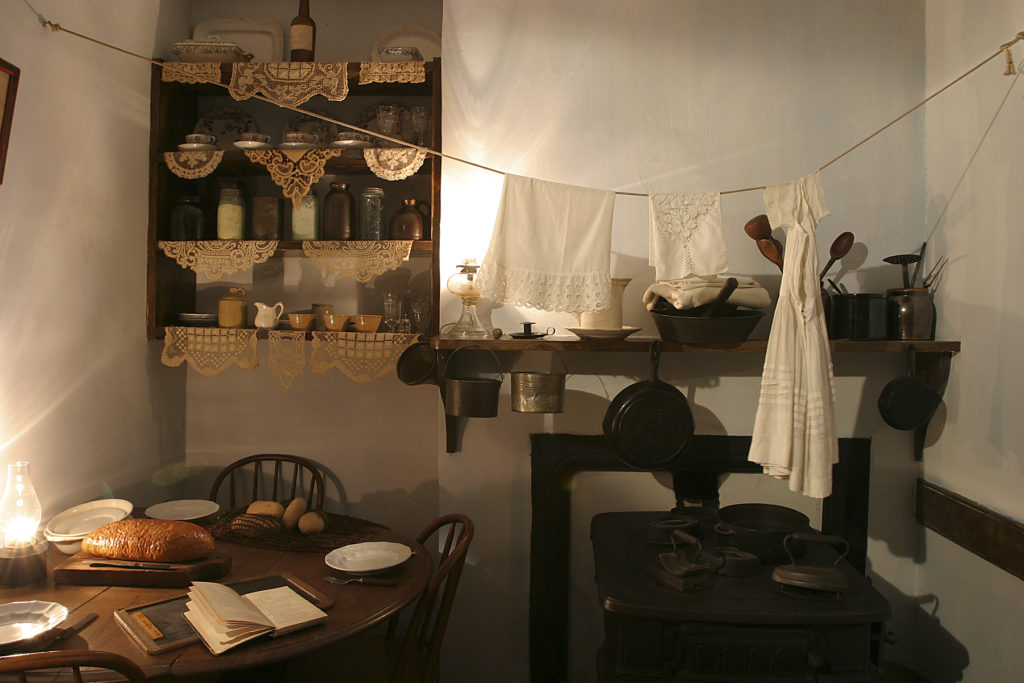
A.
x: 360, y: 260
x: 361, y: 357
x: 394, y: 163
x: 216, y: 258
x: 680, y: 215
x: 287, y: 355
x: 289, y: 83
x: 190, y: 72
x: 192, y: 164
x: 209, y: 350
x: 570, y: 292
x: 294, y: 170
x: 392, y: 72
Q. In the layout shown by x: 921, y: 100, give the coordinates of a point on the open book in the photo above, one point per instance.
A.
x: 224, y: 619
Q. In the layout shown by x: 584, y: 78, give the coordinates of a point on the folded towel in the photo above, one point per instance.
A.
x: 697, y: 290
x: 686, y: 235
x: 551, y: 247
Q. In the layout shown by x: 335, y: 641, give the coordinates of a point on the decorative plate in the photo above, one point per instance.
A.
x: 77, y: 521
x: 182, y: 510
x: 325, y: 131
x: 226, y: 124
x: 594, y: 334
x: 25, y: 619
x: 361, y: 559
x: 262, y: 37
x: 423, y: 39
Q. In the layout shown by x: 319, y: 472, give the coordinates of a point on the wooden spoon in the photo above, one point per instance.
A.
x: 758, y: 227
x: 840, y: 248
x: 771, y: 250
x: 723, y: 294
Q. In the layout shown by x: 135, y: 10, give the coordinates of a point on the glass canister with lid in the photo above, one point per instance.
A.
x: 188, y: 220
x: 371, y: 214
x: 306, y: 218
x: 231, y: 213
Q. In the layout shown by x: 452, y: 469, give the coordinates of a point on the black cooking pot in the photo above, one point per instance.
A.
x: 649, y: 423
x: 761, y: 529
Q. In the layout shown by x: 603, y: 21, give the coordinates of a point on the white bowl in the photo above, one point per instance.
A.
x: 67, y: 529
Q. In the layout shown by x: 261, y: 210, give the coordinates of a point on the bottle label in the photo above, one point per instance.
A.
x: 301, y: 37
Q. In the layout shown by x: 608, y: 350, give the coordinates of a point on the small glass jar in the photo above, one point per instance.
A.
x: 371, y: 214
x: 231, y: 214
x: 188, y: 220
x: 305, y: 218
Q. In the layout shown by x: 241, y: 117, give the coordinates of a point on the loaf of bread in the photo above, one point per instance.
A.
x: 266, y: 507
x: 149, y: 540
x: 255, y: 526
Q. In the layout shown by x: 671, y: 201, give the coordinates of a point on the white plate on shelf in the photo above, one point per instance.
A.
x: 594, y: 334
x: 362, y: 559
x: 79, y: 520
x: 27, y: 618
x: 423, y: 39
x: 261, y: 37
x: 195, y: 145
x: 252, y: 144
x: 182, y: 510
x: 352, y: 144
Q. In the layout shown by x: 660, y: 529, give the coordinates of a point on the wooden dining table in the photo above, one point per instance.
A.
x: 356, y: 607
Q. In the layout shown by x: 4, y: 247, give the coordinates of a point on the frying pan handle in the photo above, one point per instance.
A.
x: 655, y: 357
x: 807, y: 537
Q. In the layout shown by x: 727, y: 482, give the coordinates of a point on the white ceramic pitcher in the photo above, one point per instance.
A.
x: 267, y: 316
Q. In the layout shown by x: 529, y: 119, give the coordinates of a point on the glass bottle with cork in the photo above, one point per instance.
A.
x: 302, y: 34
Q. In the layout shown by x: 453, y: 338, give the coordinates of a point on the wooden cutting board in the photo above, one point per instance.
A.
x: 76, y: 570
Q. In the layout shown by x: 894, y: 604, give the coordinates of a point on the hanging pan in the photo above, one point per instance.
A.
x: 907, y: 402
x: 417, y: 364
x: 648, y: 424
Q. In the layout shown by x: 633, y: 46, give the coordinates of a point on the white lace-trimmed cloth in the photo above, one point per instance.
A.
x: 394, y: 163
x: 686, y: 235
x: 209, y: 350
x: 361, y: 357
x: 551, y: 247
x: 392, y: 72
x: 697, y: 290
x: 794, y: 434
x: 290, y: 83
x: 287, y: 355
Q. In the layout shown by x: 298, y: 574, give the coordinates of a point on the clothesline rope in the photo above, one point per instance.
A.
x: 1003, y: 49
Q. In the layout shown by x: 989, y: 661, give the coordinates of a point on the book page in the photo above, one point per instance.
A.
x: 225, y: 604
x: 214, y: 635
x: 286, y: 609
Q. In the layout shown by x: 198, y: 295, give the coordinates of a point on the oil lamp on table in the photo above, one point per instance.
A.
x: 23, y: 554
x: 465, y: 284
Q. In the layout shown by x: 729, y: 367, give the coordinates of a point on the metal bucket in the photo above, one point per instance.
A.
x: 471, y: 396
x: 538, y: 392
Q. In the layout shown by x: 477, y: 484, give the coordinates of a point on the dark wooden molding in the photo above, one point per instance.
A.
x: 986, y: 533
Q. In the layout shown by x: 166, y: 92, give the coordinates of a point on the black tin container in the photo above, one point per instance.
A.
x: 858, y: 316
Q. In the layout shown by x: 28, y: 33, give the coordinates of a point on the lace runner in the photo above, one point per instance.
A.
x: 361, y: 260
x: 287, y: 355
x: 392, y: 72
x: 394, y: 163
x: 289, y: 83
x: 192, y: 164
x: 216, y: 258
x: 360, y: 357
x: 294, y: 170
x: 209, y: 350
x: 686, y: 235
x: 190, y: 72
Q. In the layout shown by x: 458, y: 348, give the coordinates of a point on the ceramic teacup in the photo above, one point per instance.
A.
x: 200, y: 139
x: 334, y: 322
x: 297, y: 136
x: 254, y: 137
x: 366, y: 323
x: 301, y: 321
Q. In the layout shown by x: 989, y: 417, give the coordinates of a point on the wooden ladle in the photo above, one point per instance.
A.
x: 771, y: 250
x: 840, y: 248
x: 758, y: 227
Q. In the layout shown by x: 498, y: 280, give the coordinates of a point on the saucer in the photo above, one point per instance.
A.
x: 296, y: 145
x: 594, y: 334
x: 251, y: 144
x: 352, y: 144
x: 195, y: 146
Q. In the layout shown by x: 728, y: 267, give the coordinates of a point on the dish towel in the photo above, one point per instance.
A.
x: 551, y: 247
x: 686, y: 235
x: 795, y: 429
x: 697, y: 290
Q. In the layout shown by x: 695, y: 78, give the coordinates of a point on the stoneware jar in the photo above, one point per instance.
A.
x: 231, y: 310
x: 408, y: 222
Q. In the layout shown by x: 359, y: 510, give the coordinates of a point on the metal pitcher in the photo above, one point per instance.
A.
x: 538, y: 392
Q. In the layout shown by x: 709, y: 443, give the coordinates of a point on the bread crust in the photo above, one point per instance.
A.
x: 149, y: 540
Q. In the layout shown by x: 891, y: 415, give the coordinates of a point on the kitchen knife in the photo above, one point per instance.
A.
x: 126, y: 564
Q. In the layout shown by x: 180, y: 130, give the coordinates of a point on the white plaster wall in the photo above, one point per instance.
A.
x: 970, y: 610
x: 83, y: 396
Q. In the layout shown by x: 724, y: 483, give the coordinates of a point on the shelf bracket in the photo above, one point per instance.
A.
x: 931, y: 367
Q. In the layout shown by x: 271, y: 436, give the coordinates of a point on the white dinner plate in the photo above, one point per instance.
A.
x: 594, y: 334
x: 76, y: 522
x: 374, y: 557
x: 28, y: 618
x: 182, y: 510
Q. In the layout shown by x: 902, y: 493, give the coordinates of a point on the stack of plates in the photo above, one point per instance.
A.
x: 67, y: 529
x: 198, y: 319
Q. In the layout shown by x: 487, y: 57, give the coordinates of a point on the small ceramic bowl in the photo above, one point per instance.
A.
x: 366, y: 323
x: 334, y: 322
x: 301, y: 321
x: 200, y: 139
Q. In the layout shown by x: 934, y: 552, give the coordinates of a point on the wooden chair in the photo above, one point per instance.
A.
x: 282, y: 483
x: 381, y: 656
x: 71, y: 659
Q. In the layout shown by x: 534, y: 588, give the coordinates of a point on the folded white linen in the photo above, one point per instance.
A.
x: 697, y: 290
x: 686, y: 235
x: 551, y: 247
x: 794, y: 436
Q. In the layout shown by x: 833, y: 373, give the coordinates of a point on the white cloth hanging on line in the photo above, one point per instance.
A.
x: 551, y: 247
x: 686, y: 235
x: 794, y: 433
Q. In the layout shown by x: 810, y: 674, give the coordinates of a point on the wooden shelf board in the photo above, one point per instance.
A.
x: 638, y: 343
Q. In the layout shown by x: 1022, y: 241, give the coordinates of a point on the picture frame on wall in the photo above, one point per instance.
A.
x: 8, y: 89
